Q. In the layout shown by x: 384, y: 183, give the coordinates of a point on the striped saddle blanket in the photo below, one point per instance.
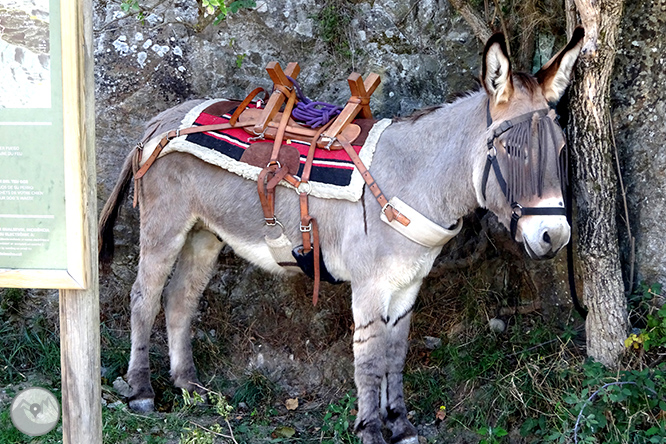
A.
x: 333, y: 174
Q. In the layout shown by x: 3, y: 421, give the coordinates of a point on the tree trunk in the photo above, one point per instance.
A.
x: 595, y: 182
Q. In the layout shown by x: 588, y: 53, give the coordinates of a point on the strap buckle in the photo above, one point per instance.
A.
x: 492, y: 150
x: 516, y: 210
x: 259, y: 136
x: 307, y: 188
x: 173, y: 137
x: 306, y: 228
x: 273, y: 221
x: 329, y: 143
x: 396, y: 213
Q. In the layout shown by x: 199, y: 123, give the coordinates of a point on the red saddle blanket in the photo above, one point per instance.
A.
x: 333, y: 174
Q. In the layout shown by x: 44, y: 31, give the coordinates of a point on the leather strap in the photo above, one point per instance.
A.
x: 273, y: 173
x: 309, y: 227
x: 244, y: 104
x: 182, y: 132
x: 286, y: 114
x: 520, y: 211
x: 266, y: 198
x: 387, y: 209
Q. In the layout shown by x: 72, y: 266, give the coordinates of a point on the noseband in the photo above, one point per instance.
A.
x: 518, y: 210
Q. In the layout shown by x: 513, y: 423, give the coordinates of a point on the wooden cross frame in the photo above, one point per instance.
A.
x: 358, y: 104
x: 282, y: 86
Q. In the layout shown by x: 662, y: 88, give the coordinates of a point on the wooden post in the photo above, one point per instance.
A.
x: 79, y: 309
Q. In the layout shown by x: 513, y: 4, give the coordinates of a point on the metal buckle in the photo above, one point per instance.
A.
x: 306, y: 191
x: 516, y: 210
x: 306, y: 228
x: 492, y: 151
x: 329, y: 144
x: 177, y: 135
x: 274, y: 162
x: 395, y: 210
x: 273, y: 221
x: 260, y: 136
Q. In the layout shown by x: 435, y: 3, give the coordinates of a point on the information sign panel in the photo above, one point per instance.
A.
x: 41, y: 211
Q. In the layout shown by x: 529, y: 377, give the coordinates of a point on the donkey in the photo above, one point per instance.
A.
x: 496, y: 148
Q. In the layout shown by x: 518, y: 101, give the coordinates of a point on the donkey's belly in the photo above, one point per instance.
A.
x: 257, y: 253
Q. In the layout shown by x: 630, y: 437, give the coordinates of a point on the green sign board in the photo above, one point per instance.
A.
x: 35, y: 219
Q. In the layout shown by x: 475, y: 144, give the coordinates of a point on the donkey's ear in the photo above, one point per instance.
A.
x: 496, y: 71
x: 555, y: 75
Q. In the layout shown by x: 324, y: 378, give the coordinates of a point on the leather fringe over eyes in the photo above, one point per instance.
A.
x: 525, y: 153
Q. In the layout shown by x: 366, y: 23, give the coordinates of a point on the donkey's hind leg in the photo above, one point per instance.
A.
x: 159, y: 249
x: 393, y: 403
x: 181, y: 297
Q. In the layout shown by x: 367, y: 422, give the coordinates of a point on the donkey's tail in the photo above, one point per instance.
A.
x: 107, y: 218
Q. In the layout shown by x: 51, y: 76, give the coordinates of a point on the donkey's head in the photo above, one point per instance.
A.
x: 526, y: 169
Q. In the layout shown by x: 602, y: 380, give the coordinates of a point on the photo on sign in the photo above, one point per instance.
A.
x: 25, y: 61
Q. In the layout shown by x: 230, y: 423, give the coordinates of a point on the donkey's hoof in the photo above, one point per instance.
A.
x: 144, y: 405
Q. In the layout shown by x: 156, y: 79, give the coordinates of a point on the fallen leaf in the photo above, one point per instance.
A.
x: 441, y: 413
x: 291, y: 403
x: 283, y: 432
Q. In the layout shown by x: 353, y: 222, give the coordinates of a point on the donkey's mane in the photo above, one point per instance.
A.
x: 419, y: 113
x: 525, y: 80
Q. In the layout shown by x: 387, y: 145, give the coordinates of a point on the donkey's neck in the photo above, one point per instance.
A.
x: 434, y: 162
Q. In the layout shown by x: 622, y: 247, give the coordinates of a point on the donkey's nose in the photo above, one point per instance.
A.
x: 553, y: 239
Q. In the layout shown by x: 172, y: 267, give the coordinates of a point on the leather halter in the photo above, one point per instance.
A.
x: 517, y: 210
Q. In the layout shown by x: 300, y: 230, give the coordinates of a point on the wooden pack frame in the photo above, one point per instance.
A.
x: 357, y: 105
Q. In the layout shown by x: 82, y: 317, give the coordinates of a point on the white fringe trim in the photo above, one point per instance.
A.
x: 351, y: 192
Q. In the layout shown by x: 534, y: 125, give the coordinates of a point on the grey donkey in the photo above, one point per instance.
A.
x: 437, y: 162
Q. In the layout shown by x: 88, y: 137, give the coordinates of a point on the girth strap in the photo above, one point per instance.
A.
x: 387, y: 209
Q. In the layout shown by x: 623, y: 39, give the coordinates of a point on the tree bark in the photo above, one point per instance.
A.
x: 479, y: 26
x: 595, y: 182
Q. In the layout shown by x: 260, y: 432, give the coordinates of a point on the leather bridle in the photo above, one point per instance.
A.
x: 517, y: 210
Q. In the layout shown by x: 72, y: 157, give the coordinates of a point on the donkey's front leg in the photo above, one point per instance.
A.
x: 370, y: 307
x: 393, y: 403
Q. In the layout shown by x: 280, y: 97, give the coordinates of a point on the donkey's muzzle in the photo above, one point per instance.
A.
x: 548, y: 243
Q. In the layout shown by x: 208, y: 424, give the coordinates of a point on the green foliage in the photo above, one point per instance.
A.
x: 239, y: 60
x: 338, y: 422
x: 26, y: 348
x: 11, y: 299
x: 221, y: 9
x: 120, y: 425
x: 655, y: 333
x: 333, y: 23
x: 255, y: 390
x: 133, y: 7
x: 492, y: 435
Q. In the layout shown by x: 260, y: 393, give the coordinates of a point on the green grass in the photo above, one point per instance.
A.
x: 27, y: 348
x: 532, y: 380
